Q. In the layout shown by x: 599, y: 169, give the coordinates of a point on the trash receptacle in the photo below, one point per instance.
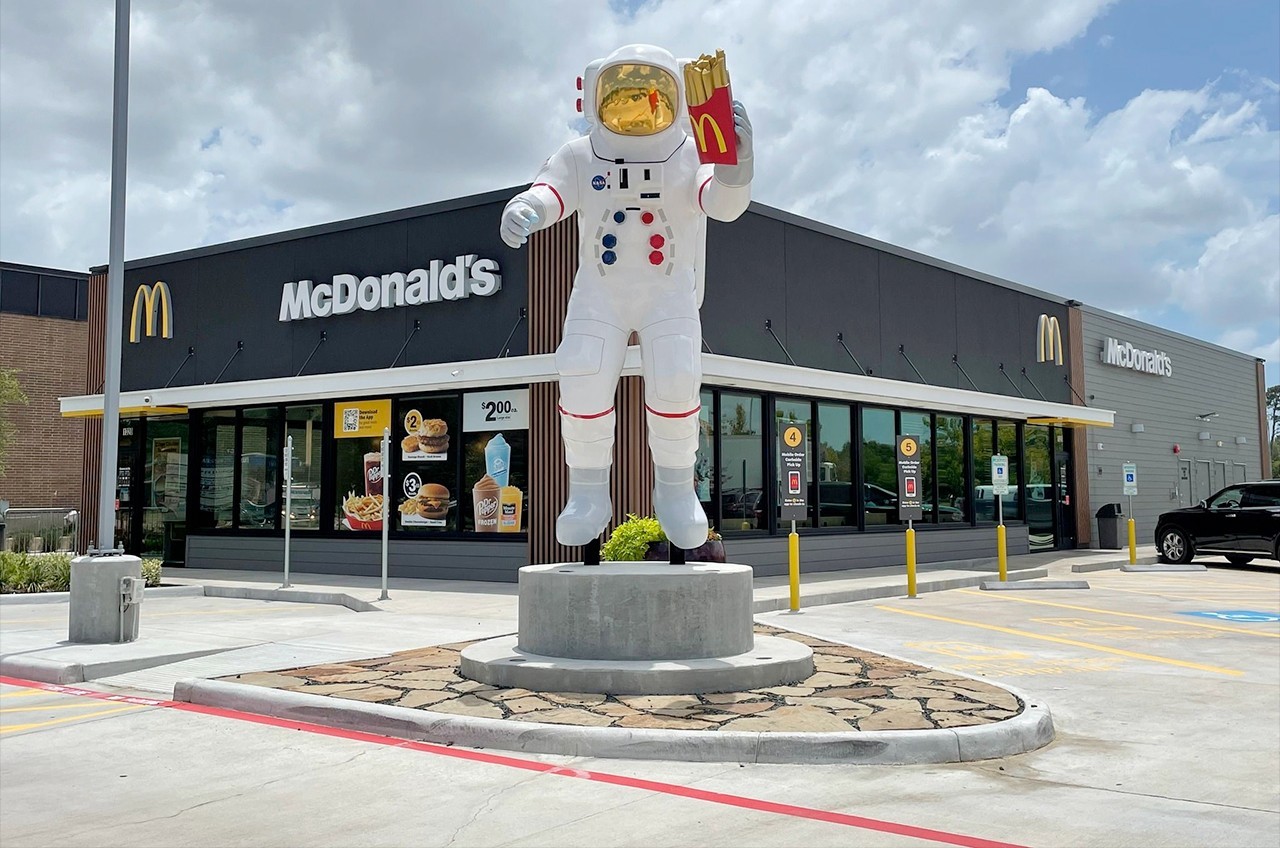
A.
x: 1110, y: 517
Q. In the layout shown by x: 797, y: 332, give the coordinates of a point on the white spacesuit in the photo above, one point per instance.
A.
x: 642, y: 196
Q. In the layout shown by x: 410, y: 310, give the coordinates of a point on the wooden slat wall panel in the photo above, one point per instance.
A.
x: 553, y: 257
x: 94, y: 375
x: 1079, y: 436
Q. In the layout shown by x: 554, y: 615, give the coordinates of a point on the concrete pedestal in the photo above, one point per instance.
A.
x: 637, y: 628
x: 95, y: 599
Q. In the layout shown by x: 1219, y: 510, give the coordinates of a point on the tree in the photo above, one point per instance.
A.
x: 1273, y: 423
x: 10, y: 395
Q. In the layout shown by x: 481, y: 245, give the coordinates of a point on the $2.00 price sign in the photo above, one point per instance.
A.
x: 506, y: 409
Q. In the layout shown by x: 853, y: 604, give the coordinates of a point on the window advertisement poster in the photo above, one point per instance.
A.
x: 427, y: 473
x: 358, y: 471
x: 495, y: 428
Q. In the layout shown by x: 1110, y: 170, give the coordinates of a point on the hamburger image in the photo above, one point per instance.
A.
x: 433, y: 501
x: 433, y: 436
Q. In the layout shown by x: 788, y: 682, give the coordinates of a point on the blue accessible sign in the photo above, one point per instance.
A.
x: 1236, y: 615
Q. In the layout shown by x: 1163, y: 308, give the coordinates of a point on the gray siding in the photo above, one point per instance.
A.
x: 1206, y: 378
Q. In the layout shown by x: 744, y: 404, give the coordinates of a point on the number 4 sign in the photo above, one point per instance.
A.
x: 498, y: 410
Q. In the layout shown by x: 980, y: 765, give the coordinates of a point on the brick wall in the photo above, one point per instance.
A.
x: 43, y: 465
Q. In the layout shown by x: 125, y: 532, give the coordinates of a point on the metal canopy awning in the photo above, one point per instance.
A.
x: 717, y: 370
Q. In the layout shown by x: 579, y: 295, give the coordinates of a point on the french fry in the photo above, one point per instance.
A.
x: 710, y: 108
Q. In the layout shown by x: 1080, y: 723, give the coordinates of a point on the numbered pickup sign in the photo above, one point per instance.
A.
x: 910, y: 480
x: 793, y: 494
x: 999, y: 475
x: 1130, y: 478
x: 487, y: 412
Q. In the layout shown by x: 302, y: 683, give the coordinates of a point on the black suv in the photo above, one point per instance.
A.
x: 1241, y: 522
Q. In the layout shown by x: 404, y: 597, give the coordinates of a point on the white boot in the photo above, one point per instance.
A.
x: 677, y: 506
x: 589, y: 508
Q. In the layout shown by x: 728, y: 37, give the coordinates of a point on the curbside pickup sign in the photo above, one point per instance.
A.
x: 793, y: 485
x: 910, y: 480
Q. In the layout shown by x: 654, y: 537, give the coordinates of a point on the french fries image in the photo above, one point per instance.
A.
x: 706, y: 82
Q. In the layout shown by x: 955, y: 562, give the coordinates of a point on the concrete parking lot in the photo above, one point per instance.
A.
x: 1165, y: 689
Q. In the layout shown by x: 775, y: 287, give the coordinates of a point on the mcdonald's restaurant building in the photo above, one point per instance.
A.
x: 422, y: 322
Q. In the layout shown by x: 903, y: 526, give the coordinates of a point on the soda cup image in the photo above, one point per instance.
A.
x: 485, y: 495
x: 497, y: 459
x: 373, y: 473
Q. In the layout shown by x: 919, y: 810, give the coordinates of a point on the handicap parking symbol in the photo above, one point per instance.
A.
x: 1236, y: 615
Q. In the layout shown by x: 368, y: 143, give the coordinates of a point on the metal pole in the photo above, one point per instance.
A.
x: 793, y: 560
x: 1133, y: 536
x: 386, y: 513
x: 115, y: 287
x: 288, y: 505
x: 911, y: 559
x: 1002, y: 548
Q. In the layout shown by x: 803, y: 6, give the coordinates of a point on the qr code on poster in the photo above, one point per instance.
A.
x: 350, y: 420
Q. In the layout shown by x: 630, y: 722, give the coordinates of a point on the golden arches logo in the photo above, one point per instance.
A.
x: 700, y: 129
x: 152, y: 299
x: 1048, y: 340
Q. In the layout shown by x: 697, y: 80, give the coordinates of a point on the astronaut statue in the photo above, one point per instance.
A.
x: 642, y: 195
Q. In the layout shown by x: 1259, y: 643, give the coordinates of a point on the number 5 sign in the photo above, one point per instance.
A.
x: 498, y: 410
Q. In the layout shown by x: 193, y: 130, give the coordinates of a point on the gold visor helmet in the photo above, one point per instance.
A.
x: 636, y: 99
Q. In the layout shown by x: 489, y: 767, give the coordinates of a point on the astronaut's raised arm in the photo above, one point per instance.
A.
x: 554, y: 193
x: 717, y: 200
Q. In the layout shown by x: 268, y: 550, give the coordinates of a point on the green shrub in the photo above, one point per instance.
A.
x: 631, y: 539
x: 151, y: 571
x: 23, y: 572
x: 55, y: 572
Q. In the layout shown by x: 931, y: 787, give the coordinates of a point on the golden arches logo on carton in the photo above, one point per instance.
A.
x: 1048, y: 340
x: 700, y: 130
x: 154, y: 299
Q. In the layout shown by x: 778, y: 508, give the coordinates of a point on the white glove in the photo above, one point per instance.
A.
x: 518, y: 220
x: 740, y: 174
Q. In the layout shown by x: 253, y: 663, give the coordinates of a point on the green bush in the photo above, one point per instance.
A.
x: 631, y: 539
x: 25, y: 573
x: 151, y: 571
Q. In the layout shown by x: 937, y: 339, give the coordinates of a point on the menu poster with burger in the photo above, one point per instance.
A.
x: 424, y: 504
x: 428, y: 470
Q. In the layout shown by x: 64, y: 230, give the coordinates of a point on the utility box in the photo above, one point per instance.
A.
x: 1110, y: 518
x: 106, y: 598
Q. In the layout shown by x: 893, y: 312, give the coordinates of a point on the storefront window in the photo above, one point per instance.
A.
x: 126, y: 451
x: 357, y: 460
x: 259, y: 469
x: 879, y: 467
x: 164, y: 510
x: 427, y: 439
x: 795, y: 412
x: 303, y: 424
x: 1040, y: 500
x: 984, y: 504
x: 920, y: 425
x: 495, y: 447
x: 704, y: 465
x: 949, y: 446
x: 1007, y: 443
x: 218, y: 469
x: 835, y: 467
x: 742, y: 501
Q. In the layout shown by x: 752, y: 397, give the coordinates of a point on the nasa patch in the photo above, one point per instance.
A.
x: 597, y: 182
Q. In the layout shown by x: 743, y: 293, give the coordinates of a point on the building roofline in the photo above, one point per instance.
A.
x: 1144, y: 326
x: 40, y: 269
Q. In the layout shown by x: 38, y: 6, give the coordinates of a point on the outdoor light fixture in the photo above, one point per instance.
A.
x: 1240, y: 440
x: 1203, y: 436
x: 1137, y: 428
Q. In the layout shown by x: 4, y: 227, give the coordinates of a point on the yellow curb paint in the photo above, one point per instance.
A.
x: 1103, y: 648
x: 1121, y: 614
x: 14, y: 728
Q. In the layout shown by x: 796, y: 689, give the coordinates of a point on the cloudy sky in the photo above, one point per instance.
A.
x: 1123, y: 153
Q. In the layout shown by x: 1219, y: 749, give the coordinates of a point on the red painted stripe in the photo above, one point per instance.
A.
x: 700, y: 188
x: 563, y: 411
x: 693, y: 411
x: 552, y: 189
x: 676, y: 790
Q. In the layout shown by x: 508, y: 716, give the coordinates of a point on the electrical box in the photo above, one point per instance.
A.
x: 131, y: 589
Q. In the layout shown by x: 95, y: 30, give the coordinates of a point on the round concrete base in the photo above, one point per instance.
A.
x: 773, y: 662
x: 636, y: 610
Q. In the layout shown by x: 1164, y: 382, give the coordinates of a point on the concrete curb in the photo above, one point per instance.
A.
x: 1023, y: 585
x: 1167, y: 567
x: 819, y: 598
x: 65, y: 597
x: 46, y: 670
x: 1030, y: 729
x: 1082, y: 567
x: 41, y: 670
x: 297, y: 596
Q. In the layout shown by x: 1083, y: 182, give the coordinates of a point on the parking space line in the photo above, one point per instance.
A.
x: 26, y: 693
x: 1199, y: 599
x: 1121, y: 614
x: 6, y: 710
x: 1231, y: 672
x: 14, y: 728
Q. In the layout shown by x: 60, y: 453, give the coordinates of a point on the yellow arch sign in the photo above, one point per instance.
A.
x: 152, y: 299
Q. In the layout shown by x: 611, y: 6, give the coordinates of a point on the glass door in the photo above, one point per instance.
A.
x: 163, y: 507
x: 127, y: 524
x: 1041, y: 502
x: 1066, y: 526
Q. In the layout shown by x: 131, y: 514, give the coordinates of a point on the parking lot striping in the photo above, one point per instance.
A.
x: 1060, y: 640
x: 25, y: 693
x: 478, y: 756
x: 1121, y: 614
x: 14, y: 728
x: 1181, y: 597
x: 6, y: 710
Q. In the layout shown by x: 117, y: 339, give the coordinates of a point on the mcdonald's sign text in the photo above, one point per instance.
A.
x: 153, y: 299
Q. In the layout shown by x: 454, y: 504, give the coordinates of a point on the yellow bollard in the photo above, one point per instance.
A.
x: 1133, y: 543
x: 1002, y: 553
x: 911, y: 561
x: 793, y: 555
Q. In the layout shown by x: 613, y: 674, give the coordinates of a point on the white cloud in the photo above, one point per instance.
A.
x: 876, y: 116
